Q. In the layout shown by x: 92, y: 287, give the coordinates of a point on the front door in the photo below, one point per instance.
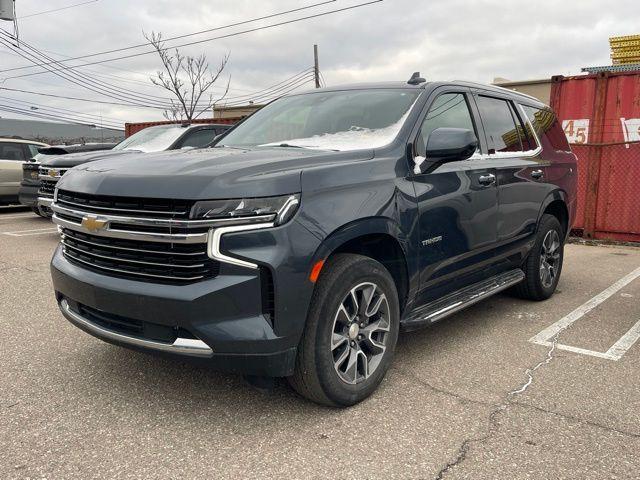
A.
x: 12, y: 155
x: 457, y: 206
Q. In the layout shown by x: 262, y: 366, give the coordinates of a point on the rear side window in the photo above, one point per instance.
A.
x: 500, y: 125
x: 12, y: 151
x: 199, y: 138
x: 546, y: 126
x: 449, y: 110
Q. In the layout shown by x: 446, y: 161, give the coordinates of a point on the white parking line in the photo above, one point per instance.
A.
x: 34, y: 231
x: 618, y: 349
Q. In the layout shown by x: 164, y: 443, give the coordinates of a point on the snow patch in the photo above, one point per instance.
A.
x: 356, y: 138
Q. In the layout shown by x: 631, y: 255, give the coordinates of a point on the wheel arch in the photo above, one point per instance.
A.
x: 556, y: 204
x: 378, y: 238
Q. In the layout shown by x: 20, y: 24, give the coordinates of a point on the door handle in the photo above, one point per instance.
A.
x: 489, y: 179
x: 537, y: 174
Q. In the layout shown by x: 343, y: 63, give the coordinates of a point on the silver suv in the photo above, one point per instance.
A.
x: 13, y: 153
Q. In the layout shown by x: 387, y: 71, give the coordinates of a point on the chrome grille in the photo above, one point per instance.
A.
x: 158, y: 262
x: 145, y: 239
x: 134, y: 207
x: 51, y: 173
x: 47, y: 188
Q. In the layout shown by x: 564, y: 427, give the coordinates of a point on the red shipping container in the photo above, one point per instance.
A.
x: 600, y: 114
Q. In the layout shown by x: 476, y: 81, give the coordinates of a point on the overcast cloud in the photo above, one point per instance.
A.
x: 473, y: 40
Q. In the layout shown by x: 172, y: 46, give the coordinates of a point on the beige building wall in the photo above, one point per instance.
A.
x: 540, y: 89
x: 235, y: 112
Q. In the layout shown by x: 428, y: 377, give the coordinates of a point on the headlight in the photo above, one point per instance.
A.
x: 277, y: 210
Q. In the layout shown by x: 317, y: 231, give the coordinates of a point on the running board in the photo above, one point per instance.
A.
x: 461, y: 299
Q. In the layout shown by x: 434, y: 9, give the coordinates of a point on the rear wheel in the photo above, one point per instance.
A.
x: 544, y: 264
x: 351, y: 332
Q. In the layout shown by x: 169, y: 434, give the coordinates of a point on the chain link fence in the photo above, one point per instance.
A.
x: 608, y: 191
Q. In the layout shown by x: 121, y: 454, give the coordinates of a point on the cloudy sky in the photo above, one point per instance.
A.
x: 387, y: 40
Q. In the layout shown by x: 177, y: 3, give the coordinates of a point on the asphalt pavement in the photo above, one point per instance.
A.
x: 505, y: 389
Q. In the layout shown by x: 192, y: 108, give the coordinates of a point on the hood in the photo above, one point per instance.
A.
x: 209, y: 173
x: 73, y: 159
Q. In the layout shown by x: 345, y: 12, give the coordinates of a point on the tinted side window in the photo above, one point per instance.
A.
x: 499, y: 125
x: 547, y: 126
x: 528, y: 134
x: 449, y: 110
x: 12, y: 151
x: 199, y: 138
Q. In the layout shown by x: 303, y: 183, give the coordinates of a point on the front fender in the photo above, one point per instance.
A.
x: 373, y: 226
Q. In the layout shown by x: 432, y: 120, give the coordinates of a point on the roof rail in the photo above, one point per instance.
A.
x: 497, y: 87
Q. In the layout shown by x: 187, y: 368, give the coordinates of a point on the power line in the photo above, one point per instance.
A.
x: 73, y: 78
x: 272, y: 89
x: 78, y: 99
x: 51, y: 95
x: 243, y: 32
x: 56, y: 9
x: 112, y: 91
x: 284, y: 90
x: 81, y: 79
x: 28, y: 113
x: 324, y: 83
x: 136, y: 99
x: 39, y: 106
x: 131, y: 47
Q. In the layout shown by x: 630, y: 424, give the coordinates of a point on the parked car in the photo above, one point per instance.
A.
x: 13, y: 153
x: 315, y: 230
x: 28, y: 193
x: 151, y: 139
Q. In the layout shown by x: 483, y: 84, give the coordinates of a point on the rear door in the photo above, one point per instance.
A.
x: 458, y: 204
x: 12, y: 155
x: 514, y: 152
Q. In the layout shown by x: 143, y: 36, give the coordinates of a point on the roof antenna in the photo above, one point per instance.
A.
x: 416, y: 79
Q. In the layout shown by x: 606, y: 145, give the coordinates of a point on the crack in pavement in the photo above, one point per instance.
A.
x: 464, y: 448
x: 442, y: 391
x: 577, y: 419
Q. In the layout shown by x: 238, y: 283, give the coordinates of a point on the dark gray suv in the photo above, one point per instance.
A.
x: 313, y: 232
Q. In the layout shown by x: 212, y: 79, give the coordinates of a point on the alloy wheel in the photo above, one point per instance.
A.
x: 550, y: 258
x: 360, y: 331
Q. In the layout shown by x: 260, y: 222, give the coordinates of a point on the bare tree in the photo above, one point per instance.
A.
x: 188, y: 79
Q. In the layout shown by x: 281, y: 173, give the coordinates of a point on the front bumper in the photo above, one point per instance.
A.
x: 222, y: 318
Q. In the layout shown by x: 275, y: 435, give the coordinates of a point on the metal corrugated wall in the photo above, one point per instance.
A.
x: 600, y: 114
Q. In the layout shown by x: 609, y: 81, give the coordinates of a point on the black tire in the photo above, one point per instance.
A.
x: 534, y: 286
x: 36, y: 210
x: 316, y: 375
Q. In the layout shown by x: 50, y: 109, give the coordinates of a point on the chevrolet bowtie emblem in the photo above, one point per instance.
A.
x: 53, y: 173
x: 92, y: 223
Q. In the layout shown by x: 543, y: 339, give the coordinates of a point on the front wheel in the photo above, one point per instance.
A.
x: 351, y: 332
x: 37, y: 211
x: 544, y: 264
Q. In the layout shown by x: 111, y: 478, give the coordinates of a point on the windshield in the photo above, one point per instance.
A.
x: 152, y: 139
x: 344, y: 120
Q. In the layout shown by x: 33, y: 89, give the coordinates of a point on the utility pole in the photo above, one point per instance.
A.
x: 316, y: 67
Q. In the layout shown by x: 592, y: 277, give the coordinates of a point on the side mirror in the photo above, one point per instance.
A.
x: 447, y: 145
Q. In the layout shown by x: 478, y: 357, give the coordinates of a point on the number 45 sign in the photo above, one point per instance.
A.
x: 577, y: 131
